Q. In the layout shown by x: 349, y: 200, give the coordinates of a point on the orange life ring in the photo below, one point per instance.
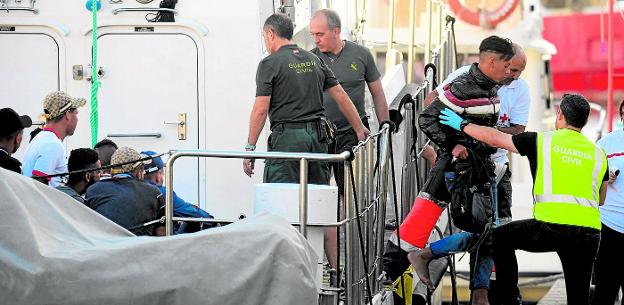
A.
x: 483, y: 18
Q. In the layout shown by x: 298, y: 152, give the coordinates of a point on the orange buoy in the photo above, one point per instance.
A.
x: 483, y: 18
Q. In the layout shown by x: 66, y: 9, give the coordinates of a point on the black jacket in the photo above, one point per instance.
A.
x: 473, y: 96
x: 9, y: 162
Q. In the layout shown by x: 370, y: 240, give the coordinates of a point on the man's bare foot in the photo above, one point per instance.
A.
x: 480, y: 297
x: 420, y: 261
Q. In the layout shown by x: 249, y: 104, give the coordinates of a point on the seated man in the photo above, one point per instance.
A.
x: 105, y: 150
x: 125, y: 199
x: 11, y: 132
x: 155, y: 175
x: 77, y: 184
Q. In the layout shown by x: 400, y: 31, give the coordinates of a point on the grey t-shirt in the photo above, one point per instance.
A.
x: 71, y: 192
x: 354, y: 66
x: 295, y: 80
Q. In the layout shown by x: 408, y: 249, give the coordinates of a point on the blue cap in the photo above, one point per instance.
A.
x: 156, y: 163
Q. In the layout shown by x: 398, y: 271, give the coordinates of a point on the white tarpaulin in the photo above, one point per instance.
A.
x: 54, y: 250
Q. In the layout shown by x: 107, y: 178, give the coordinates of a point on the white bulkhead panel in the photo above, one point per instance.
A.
x: 29, y: 70
x: 149, y: 81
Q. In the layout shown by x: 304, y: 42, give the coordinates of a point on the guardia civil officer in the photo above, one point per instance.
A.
x: 289, y: 89
x: 569, y: 183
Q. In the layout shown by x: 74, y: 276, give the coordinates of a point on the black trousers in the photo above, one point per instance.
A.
x: 576, y: 247
x: 609, y: 267
x: 504, y: 195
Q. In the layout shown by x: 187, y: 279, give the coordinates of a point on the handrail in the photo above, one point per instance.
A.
x: 372, y: 190
x: 19, y: 8
x: 144, y: 9
x: 303, y: 174
x: 223, y: 220
x: 135, y: 135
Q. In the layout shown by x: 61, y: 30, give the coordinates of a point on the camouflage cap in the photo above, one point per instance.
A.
x: 125, y: 155
x: 56, y: 103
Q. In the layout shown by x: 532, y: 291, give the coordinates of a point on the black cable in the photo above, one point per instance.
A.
x: 359, y: 225
x: 88, y: 170
x: 396, y: 208
x: 452, y: 20
x: 454, y: 298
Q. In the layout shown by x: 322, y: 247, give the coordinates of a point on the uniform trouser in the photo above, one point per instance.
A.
x: 345, y: 140
x: 305, y: 137
x: 609, y: 267
x: 576, y: 247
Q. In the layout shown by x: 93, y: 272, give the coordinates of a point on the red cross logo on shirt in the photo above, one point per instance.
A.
x: 504, y: 118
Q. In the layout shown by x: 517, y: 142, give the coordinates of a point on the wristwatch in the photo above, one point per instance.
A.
x: 250, y: 147
x: 463, y: 124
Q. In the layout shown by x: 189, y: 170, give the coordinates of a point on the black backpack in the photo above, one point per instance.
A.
x: 471, y: 202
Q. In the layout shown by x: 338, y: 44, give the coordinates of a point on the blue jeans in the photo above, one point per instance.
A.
x: 460, y: 242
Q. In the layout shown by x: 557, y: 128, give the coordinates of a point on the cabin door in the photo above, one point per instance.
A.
x: 149, y: 98
x: 29, y: 70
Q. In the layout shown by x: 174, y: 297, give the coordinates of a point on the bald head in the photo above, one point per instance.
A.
x: 519, y: 54
x: 518, y: 63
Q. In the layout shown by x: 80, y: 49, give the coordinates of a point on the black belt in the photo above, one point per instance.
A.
x: 298, y: 125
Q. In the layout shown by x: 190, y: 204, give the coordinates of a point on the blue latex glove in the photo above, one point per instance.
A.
x: 449, y: 118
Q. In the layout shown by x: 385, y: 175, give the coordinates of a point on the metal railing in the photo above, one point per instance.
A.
x: 365, y: 214
x: 365, y: 203
x: 303, y: 175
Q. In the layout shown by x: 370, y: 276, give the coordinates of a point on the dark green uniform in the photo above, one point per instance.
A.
x: 354, y: 67
x: 295, y: 80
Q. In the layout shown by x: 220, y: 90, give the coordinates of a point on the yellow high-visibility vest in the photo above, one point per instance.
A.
x: 570, y: 170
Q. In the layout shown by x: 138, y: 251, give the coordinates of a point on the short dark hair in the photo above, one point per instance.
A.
x: 105, y: 150
x: 621, y: 105
x: 575, y: 109
x: 105, y: 142
x: 498, y: 45
x: 79, y: 159
x: 281, y: 25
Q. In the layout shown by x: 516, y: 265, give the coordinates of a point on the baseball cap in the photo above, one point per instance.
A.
x: 155, y: 164
x: 56, y: 103
x: 11, y: 122
x: 125, y: 155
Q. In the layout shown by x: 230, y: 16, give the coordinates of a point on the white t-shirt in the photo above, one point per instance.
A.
x: 45, y: 155
x: 514, y: 106
x: 612, y: 212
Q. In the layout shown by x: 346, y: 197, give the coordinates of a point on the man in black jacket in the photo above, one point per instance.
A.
x: 11, y: 132
x: 474, y: 95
